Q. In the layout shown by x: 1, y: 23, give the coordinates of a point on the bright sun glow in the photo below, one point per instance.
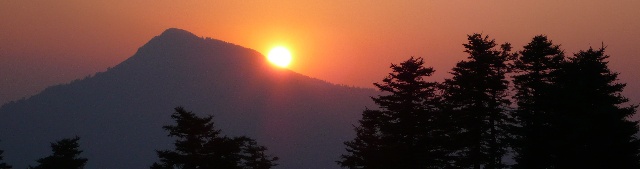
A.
x: 280, y: 56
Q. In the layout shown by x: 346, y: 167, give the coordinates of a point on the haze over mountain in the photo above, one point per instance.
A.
x: 119, y: 113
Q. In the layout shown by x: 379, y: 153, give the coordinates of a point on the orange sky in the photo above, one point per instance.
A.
x: 44, y: 43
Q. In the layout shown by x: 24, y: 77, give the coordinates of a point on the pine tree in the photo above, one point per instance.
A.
x: 476, y: 97
x: 200, y: 145
x: 594, y: 125
x: 65, y: 155
x: 253, y: 155
x: 406, y: 132
x: 3, y: 165
x: 536, y: 67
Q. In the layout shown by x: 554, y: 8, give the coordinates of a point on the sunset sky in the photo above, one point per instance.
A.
x: 44, y: 43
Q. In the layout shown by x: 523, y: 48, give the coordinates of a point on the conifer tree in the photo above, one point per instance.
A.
x: 199, y: 145
x: 594, y: 125
x: 65, y: 155
x: 407, y: 131
x: 476, y: 97
x: 253, y: 155
x: 536, y: 67
x: 3, y: 165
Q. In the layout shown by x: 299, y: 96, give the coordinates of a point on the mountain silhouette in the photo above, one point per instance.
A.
x: 119, y: 113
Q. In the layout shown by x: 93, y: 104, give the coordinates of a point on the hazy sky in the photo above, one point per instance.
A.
x: 43, y: 43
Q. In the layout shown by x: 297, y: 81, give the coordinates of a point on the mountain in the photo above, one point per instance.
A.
x: 119, y: 113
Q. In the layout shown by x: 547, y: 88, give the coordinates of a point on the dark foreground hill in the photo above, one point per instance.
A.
x: 119, y: 113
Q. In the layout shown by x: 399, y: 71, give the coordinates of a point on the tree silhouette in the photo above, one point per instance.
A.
x: 65, y: 155
x: 595, y: 131
x: 536, y: 67
x: 200, y: 145
x: 476, y: 98
x: 3, y: 165
x: 407, y: 131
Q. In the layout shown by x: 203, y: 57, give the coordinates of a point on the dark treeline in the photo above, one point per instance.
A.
x: 568, y: 113
x: 535, y: 106
x: 198, y: 145
x: 66, y: 154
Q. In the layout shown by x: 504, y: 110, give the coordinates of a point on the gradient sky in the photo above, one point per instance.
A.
x: 43, y: 43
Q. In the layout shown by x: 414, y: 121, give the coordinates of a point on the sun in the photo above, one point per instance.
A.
x: 280, y: 56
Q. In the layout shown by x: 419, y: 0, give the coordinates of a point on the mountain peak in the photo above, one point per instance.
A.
x: 180, y: 46
x: 175, y: 36
x: 176, y: 32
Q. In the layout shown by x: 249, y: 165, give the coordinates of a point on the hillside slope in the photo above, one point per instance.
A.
x: 119, y: 113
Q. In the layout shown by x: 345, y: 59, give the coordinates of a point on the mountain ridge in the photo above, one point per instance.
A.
x: 301, y: 119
